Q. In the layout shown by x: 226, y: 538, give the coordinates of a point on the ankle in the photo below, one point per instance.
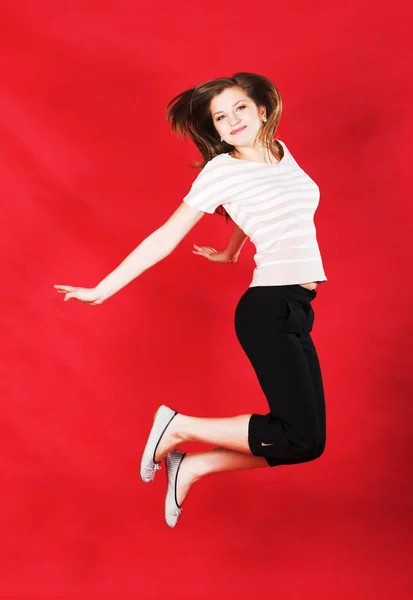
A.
x: 179, y: 433
x: 195, y: 468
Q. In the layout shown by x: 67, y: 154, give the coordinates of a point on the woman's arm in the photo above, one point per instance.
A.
x: 230, y: 254
x: 236, y: 242
x: 157, y: 246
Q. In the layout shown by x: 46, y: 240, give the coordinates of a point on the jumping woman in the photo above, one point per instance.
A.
x: 251, y: 178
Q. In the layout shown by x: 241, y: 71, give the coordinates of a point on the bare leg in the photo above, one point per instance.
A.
x: 231, y: 433
x: 195, y: 466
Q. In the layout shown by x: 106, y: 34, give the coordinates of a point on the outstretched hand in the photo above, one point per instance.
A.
x: 85, y: 295
x: 214, y: 255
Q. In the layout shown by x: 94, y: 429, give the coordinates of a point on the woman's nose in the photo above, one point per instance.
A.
x: 234, y: 119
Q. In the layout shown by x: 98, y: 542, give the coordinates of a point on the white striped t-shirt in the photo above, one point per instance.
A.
x: 274, y: 205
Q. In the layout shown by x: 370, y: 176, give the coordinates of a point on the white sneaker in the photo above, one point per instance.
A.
x: 163, y: 417
x: 172, y: 510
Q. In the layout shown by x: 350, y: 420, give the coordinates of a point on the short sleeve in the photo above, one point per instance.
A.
x: 288, y: 156
x: 207, y: 191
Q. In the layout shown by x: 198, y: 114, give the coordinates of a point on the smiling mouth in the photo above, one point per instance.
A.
x: 238, y: 130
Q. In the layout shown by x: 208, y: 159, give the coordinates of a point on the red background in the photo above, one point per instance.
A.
x: 88, y: 169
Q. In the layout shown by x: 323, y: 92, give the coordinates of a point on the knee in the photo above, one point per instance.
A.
x: 316, y: 450
x: 310, y: 453
x: 319, y: 450
x: 312, y: 440
x: 311, y: 449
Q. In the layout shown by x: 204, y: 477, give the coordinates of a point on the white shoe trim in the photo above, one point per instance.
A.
x: 163, y: 417
x: 172, y: 510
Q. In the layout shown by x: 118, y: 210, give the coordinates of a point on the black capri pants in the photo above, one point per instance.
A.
x: 273, y: 325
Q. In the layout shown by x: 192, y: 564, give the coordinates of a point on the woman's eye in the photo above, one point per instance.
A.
x: 221, y: 116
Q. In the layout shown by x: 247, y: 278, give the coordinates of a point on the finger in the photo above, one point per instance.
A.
x: 204, y: 248
x: 71, y: 295
x: 65, y: 288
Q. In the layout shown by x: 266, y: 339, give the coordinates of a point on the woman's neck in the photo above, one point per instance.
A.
x: 255, y: 154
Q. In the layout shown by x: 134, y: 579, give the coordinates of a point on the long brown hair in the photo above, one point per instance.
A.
x: 190, y: 116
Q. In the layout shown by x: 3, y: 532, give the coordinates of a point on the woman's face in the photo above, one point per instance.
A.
x: 236, y: 117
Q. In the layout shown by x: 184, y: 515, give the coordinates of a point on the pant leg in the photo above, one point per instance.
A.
x: 317, y: 379
x: 272, y: 332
